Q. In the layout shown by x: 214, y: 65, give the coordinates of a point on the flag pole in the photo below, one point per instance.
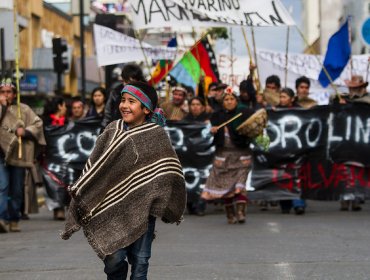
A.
x: 16, y: 46
x: 350, y: 43
x: 258, y: 82
x: 138, y: 35
x: 248, y: 47
x: 198, y: 58
x: 231, y: 54
x: 286, y: 56
x: 321, y: 64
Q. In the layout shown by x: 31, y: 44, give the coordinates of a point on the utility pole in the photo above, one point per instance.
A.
x: 82, y: 50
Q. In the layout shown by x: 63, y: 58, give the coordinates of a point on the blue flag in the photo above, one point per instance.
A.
x: 337, y: 55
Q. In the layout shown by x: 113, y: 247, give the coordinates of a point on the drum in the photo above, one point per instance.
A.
x: 254, y: 125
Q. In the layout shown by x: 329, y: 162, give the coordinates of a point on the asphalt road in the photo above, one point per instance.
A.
x: 323, y: 244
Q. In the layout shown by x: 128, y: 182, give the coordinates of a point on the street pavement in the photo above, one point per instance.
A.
x: 324, y: 244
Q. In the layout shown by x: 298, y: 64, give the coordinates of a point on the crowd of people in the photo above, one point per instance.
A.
x: 216, y: 105
x: 132, y: 109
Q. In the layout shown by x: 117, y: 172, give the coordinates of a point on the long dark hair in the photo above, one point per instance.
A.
x: 51, y: 105
x: 102, y: 90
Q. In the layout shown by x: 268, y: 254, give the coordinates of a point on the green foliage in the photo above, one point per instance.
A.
x: 218, y: 33
x: 263, y: 141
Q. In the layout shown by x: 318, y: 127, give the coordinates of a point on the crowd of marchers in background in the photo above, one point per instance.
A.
x: 215, y: 104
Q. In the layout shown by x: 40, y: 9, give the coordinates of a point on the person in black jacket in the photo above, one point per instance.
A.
x: 131, y: 72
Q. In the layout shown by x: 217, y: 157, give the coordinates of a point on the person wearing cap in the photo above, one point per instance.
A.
x: 216, y: 101
x: 357, y: 93
x: 29, y: 128
x: 176, y: 109
x: 357, y: 90
x: 302, y: 86
x: 132, y: 177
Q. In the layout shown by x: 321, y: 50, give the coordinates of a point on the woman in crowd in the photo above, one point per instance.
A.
x: 288, y: 100
x: 98, y: 99
x: 197, y: 111
x: 232, y: 159
x: 55, y: 112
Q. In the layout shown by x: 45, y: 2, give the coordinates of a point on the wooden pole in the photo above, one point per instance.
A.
x: 16, y: 46
x: 286, y: 56
x: 229, y: 121
x: 258, y: 82
x: 138, y: 36
x: 248, y: 47
x: 350, y: 43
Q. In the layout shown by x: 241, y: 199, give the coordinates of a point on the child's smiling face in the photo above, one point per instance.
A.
x: 132, y: 111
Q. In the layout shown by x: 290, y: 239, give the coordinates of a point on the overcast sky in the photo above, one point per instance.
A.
x: 272, y: 38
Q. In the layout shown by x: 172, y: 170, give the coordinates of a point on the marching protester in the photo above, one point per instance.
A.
x: 25, y: 130
x: 77, y: 110
x: 232, y: 159
x: 288, y: 100
x: 270, y: 97
x: 55, y: 112
x: 197, y: 113
x: 302, y: 85
x: 131, y: 72
x: 98, y: 99
x: 357, y: 94
x: 177, y: 108
x: 117, y: 201
x: 272, y: 90
x: 247, y: 92
x: 215, y: 99
x: 55, y: 115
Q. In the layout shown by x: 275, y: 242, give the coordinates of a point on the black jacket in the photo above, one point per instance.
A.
x: 237, y: 139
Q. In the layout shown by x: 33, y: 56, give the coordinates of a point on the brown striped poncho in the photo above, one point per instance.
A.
x: 129, y: 176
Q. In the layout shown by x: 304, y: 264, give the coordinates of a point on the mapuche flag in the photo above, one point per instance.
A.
x: 163, y: 66
x: 200, y: 60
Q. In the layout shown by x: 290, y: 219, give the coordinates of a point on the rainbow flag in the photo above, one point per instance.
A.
x: 200, y: 60
x: 163, y: 66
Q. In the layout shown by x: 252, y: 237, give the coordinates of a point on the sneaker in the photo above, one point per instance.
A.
x: 14, y: 227
x: 3, y: 227
x: 356, y: 206
x: 344, y: 205
x: 299, y: 210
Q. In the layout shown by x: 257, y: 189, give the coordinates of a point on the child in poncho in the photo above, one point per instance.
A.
x: 132, y: 177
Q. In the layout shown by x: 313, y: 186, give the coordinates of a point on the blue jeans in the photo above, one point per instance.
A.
x: 11, y: 191
x: 138, y: 255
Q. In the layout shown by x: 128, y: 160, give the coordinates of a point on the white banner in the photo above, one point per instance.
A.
x: 180, y: 13
x: 273, y: 63
x: 113, y: 47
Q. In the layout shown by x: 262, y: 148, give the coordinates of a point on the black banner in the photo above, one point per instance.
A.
x: 320, y: 153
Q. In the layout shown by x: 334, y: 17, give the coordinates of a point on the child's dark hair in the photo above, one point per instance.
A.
x: 201, y: 100
x: 132, y: 72
x: 51, y: 106
x: 288, y: 91
x: 273, y: 79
